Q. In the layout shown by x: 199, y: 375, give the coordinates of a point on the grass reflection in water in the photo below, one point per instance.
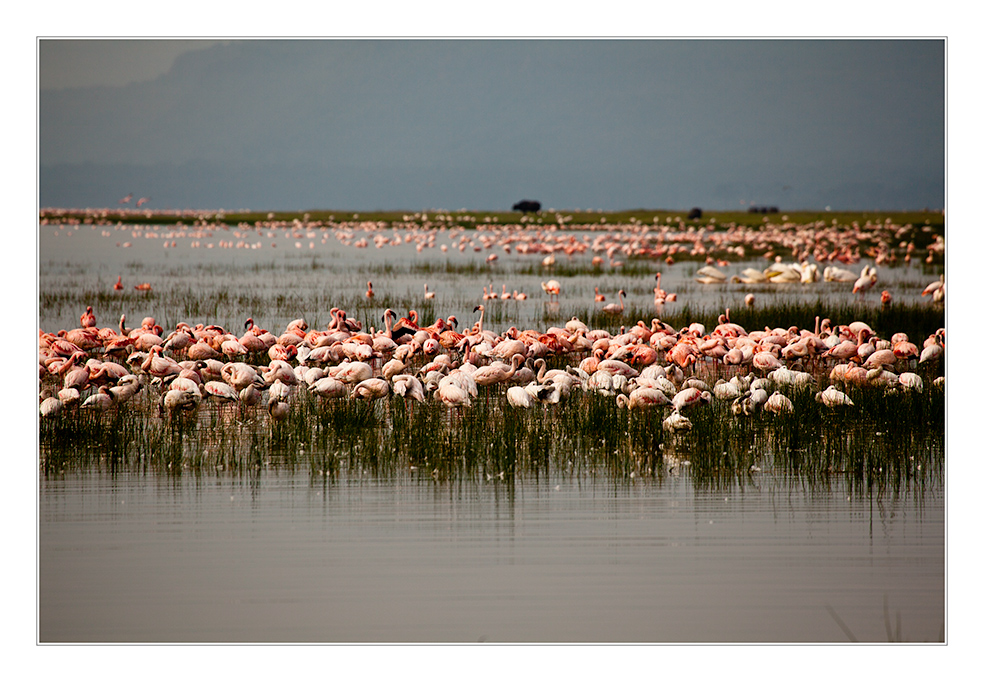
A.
x: 885, y: 443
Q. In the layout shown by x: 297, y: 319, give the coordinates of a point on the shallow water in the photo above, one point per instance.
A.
x: 281, y: 554
x: 275, y: 284
x: 284, y: 557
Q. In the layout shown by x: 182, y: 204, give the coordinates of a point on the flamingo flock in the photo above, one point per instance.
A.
x: 644, y: 366
x: 831, y: 245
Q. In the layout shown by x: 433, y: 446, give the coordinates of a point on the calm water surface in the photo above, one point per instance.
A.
x: 284, y: 557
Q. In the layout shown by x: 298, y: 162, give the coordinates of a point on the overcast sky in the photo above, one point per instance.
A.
x: 477, y: 124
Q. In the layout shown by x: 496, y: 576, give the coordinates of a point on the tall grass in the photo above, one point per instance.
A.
x: 888, y: 444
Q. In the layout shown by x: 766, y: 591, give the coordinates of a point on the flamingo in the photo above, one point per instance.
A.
x: 642, y: 398
x: 119, y: 283
x: 517, y: 396
x: 936, y: 289
x: 369, y: 292
x: 689, y: 398
x: 552, y: 288
x: 427, y: 294
x: 778, y: 404
x: 598, y: 297
x: 328, y: 387
x: 616, y: 308
x: 408, y: 386
x: 352, y: 372
x: 453, y: 395
x: 277, y: 409
x: 371, y: 389
x: 495, y: 374
x: 51, y: 406
x: 676, y: 422
x: 99, y: 402
x: 144, y: 286
x: 659, y: 294
x: 831, y: 397
x: 867, y: 280
x: 932, y: 287
x: 221, y: 391
x: 88, y: 318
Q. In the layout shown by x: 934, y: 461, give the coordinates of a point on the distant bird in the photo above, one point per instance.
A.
x: 886, y: 298
x: 867, y: 280
x: 88, y: 318
x: 119, y: 283
x: 427, y: 294
x: 937, y: 289
x: 616, y: 308
x: 711, y: 275
x: 145, y: 286
x: 126, y: 199
x: 552, y: 288
x: 141, y: 201
x: 598, y: 297
x: 369, y: 292
x: 750, y: 300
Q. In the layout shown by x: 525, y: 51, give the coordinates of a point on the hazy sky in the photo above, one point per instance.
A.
x: 85, y: 63
x: 479, y: 124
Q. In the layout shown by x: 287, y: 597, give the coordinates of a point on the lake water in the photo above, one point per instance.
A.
x: 280, y: 557
x: 280, y: 554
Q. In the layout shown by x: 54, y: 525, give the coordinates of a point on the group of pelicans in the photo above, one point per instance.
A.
x: 644, y: 366
x: 808, y: 273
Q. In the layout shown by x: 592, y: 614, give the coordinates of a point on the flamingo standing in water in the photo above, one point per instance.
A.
x: 616, y: 308
x: 119, y: 283
x: 369, y: 292
x: 552, y: 288
x: 145, y: 286
x: 867, y: 280
x: 427, y: 294
x: 598, y: 296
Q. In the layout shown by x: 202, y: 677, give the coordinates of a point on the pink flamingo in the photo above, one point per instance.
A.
x: 616, y: 308
x: 552, y: 288
x: 88, y: 318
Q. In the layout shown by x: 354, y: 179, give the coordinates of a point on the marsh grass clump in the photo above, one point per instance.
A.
x: 888, y: 442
